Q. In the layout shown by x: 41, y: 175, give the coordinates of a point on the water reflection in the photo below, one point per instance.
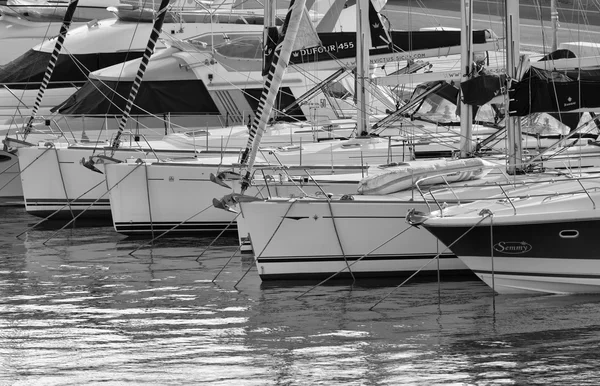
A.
x: 82, y: 309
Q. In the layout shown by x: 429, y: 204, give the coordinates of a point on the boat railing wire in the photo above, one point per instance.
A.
x: 511, y: 190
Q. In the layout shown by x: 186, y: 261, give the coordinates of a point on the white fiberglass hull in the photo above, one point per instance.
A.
x: 150, y: 199
x: 186, y: 186
x: 545, y: 241
x: 304, y: 239
x: 11, y: 191
x: 54, y: 182
x: 537, y: 275
x: 310, y: 238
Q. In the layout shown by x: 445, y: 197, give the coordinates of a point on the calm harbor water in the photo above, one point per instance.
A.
x: 81, y: 310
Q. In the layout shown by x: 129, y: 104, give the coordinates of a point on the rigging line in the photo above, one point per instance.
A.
x: 115, y: 93
x: 59, y: 209
x: 44, y: 39
x: 148, y: 197
x: 66, y: 24
x: 91, y: 205
x: 248, y: 95
x: 26, y: 167
x: 62, y: 179
x: 492, y: 257
x: 257, y: 256
x: 129, y: 49
x: 340, y: 240
x: 315, y: 182
x: 3, y: 171
x: 286, y: 171
x: 217, y: 238
x: 356, y: 261
x: 538, y: 10
x: 170, y: 229
x: 433, y: 258
x: 227, y: 263
x: 156, y: 29
x: 79, y: 65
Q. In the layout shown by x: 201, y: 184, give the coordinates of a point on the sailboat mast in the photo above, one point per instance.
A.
x: 362, y: 66
x: 513, y: 50
x: 554, y: 19
x: 275, y: 73
x: 466, y: 59
x: 156, y: 29
x: 62, y: 34
x: 269, y: 17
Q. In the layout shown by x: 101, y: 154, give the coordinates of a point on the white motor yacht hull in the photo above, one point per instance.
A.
x: 545, y: 241
x: 537, y: 275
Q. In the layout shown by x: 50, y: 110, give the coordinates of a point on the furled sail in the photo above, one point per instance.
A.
x: 57, y: 47
x: 156, y: 28
x: 292, y: 37
x: 555, y: 91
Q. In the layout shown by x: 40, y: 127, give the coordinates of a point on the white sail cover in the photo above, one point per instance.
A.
x: 404, y: 176
x: 307, y: 35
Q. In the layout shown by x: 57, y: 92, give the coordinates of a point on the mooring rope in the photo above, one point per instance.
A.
x: 426, y: 264
x: 218, y: 236
x: 356, y: 261
x: 93, y: 203
x: 227, y: 263
x: 337, y: 235
x: 62, y: 179
x: 257, y: 256
x: 58, y: 210
x: 25, y: 168
x: 170, y: 229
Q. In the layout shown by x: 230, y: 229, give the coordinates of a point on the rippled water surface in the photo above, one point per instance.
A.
x: 77, y: 308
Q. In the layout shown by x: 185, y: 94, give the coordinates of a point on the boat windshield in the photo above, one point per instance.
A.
x: 243, y: 47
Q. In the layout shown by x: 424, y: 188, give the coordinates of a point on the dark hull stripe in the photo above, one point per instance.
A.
x: 102, y: 201
x: 325, y: 259
x: 541, y: 275
x: 104, y: 215
x: 191, y: 229
x: 365, y: 275
x: 58, y: 204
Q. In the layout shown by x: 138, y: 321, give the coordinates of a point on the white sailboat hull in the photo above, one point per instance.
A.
x: 54, y: 181
x: 302, y: 240
x: 11, y: 191
x: 151, y: 199
x: 177, y: 197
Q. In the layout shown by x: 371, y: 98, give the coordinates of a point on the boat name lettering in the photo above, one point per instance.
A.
x: 453, y: 75
x: 570, y: 102
x: 324, y: 49
x: 396, y: 58
x: 512, y: 247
